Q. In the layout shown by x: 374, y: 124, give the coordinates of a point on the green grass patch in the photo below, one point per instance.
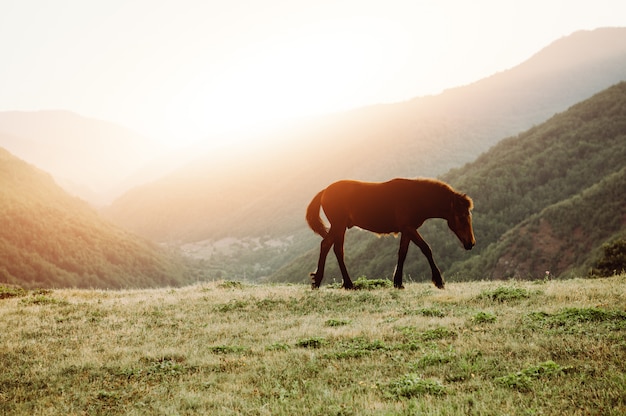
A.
x: 572, y: 319
x: 228, y: 349
x: 523, y: 380
x: 232, y: 305
x: 230, y: 284
x: 434, y: 334
x: 42, y: 299
x: 356, y: 348
x: 7, y: 292
x: 435, y: 358
x: 505, y: 294
x: 483, y: 318
x: 412, y: 385
x: 278, y: 346
x: 363, y: 283
x: 428, y: 312
x: 337, y: 322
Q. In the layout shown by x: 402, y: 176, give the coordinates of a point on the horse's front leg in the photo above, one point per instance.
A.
x: 318, y: 274
x: 436, y: 273
x: 397, y: 274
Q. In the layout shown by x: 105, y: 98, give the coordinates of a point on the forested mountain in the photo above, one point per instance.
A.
x: 545, y: 200
x: 90, y: 158
x: 51, y: 239
x: 254, y: 196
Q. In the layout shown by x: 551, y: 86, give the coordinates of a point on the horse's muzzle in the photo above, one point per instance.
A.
x: 468, y: 246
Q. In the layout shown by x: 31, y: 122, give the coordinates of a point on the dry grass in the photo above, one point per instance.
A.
x: 557, y: 347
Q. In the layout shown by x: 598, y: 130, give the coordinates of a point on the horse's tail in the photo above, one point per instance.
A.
x: 313, y: 217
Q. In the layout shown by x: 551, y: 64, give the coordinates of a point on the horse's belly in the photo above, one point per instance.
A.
x: 379, y: 225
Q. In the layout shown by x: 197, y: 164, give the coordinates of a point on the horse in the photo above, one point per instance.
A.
x: 397, y: 206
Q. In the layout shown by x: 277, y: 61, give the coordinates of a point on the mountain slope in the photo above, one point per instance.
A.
x: 50, y: 239
x: 89, y: 158
x: 545, y: 179
x: 565, y: 237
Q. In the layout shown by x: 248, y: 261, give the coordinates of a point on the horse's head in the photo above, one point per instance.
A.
x: 460, y: 220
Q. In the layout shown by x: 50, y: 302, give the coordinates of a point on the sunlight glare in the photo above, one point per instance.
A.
x: 330, y: 66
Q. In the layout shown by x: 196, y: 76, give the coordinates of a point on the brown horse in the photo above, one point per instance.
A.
x: 397, y: 206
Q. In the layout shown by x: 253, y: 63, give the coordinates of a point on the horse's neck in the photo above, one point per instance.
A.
x: 440, y: 206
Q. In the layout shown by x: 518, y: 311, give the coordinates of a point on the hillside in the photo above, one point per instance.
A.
x: 93, y: 159
x: 545, y: 200
x: 259, y: 192
x: 563, y: 237
x: 227, y: 348
x: 50, y: 239
x: 553, y: 194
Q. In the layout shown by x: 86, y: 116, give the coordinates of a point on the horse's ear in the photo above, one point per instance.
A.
x: 470, y: 202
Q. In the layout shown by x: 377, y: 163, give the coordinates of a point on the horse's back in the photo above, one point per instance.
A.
x: 369, y: 205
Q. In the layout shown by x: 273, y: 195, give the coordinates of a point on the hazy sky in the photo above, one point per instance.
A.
x: 183, y: 69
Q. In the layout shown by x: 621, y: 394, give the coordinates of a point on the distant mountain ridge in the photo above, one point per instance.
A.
x: 50, y: 239
x: 90, y: 158
x: 265, y: 197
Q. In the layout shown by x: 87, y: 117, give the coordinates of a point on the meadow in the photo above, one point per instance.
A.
x: 233, y: 348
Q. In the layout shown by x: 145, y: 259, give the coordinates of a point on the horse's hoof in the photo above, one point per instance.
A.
x: 348, y: 287
x: 399, y: 286
x: 314, y: 286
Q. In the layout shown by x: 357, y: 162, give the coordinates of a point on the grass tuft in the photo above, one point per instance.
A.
x: 428, y: 312
x: 7, y: 292
x: 363, y: 283
x: 230, y: 284
x: 337, y: 322
x: 313, y: 342
x: 523, y: 380
x: 505, y: 294
x: 412, y: 385
x: 228, y: 349
x: 484, y: 318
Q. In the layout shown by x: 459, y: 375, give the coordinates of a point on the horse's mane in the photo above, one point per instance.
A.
x: 465, y: 200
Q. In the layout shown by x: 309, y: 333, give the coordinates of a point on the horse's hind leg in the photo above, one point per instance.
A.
x: 339, y: 253
x: 318, y: 274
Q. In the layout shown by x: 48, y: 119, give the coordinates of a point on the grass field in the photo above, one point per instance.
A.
x: 227, y: 348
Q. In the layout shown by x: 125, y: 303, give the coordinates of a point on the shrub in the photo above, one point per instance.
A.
x: 314, y: 342
x: 613, y: 260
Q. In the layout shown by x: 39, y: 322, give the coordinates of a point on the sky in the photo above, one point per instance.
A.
x: 180, y: 71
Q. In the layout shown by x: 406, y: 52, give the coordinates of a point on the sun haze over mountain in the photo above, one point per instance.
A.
x: 183, y: 71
